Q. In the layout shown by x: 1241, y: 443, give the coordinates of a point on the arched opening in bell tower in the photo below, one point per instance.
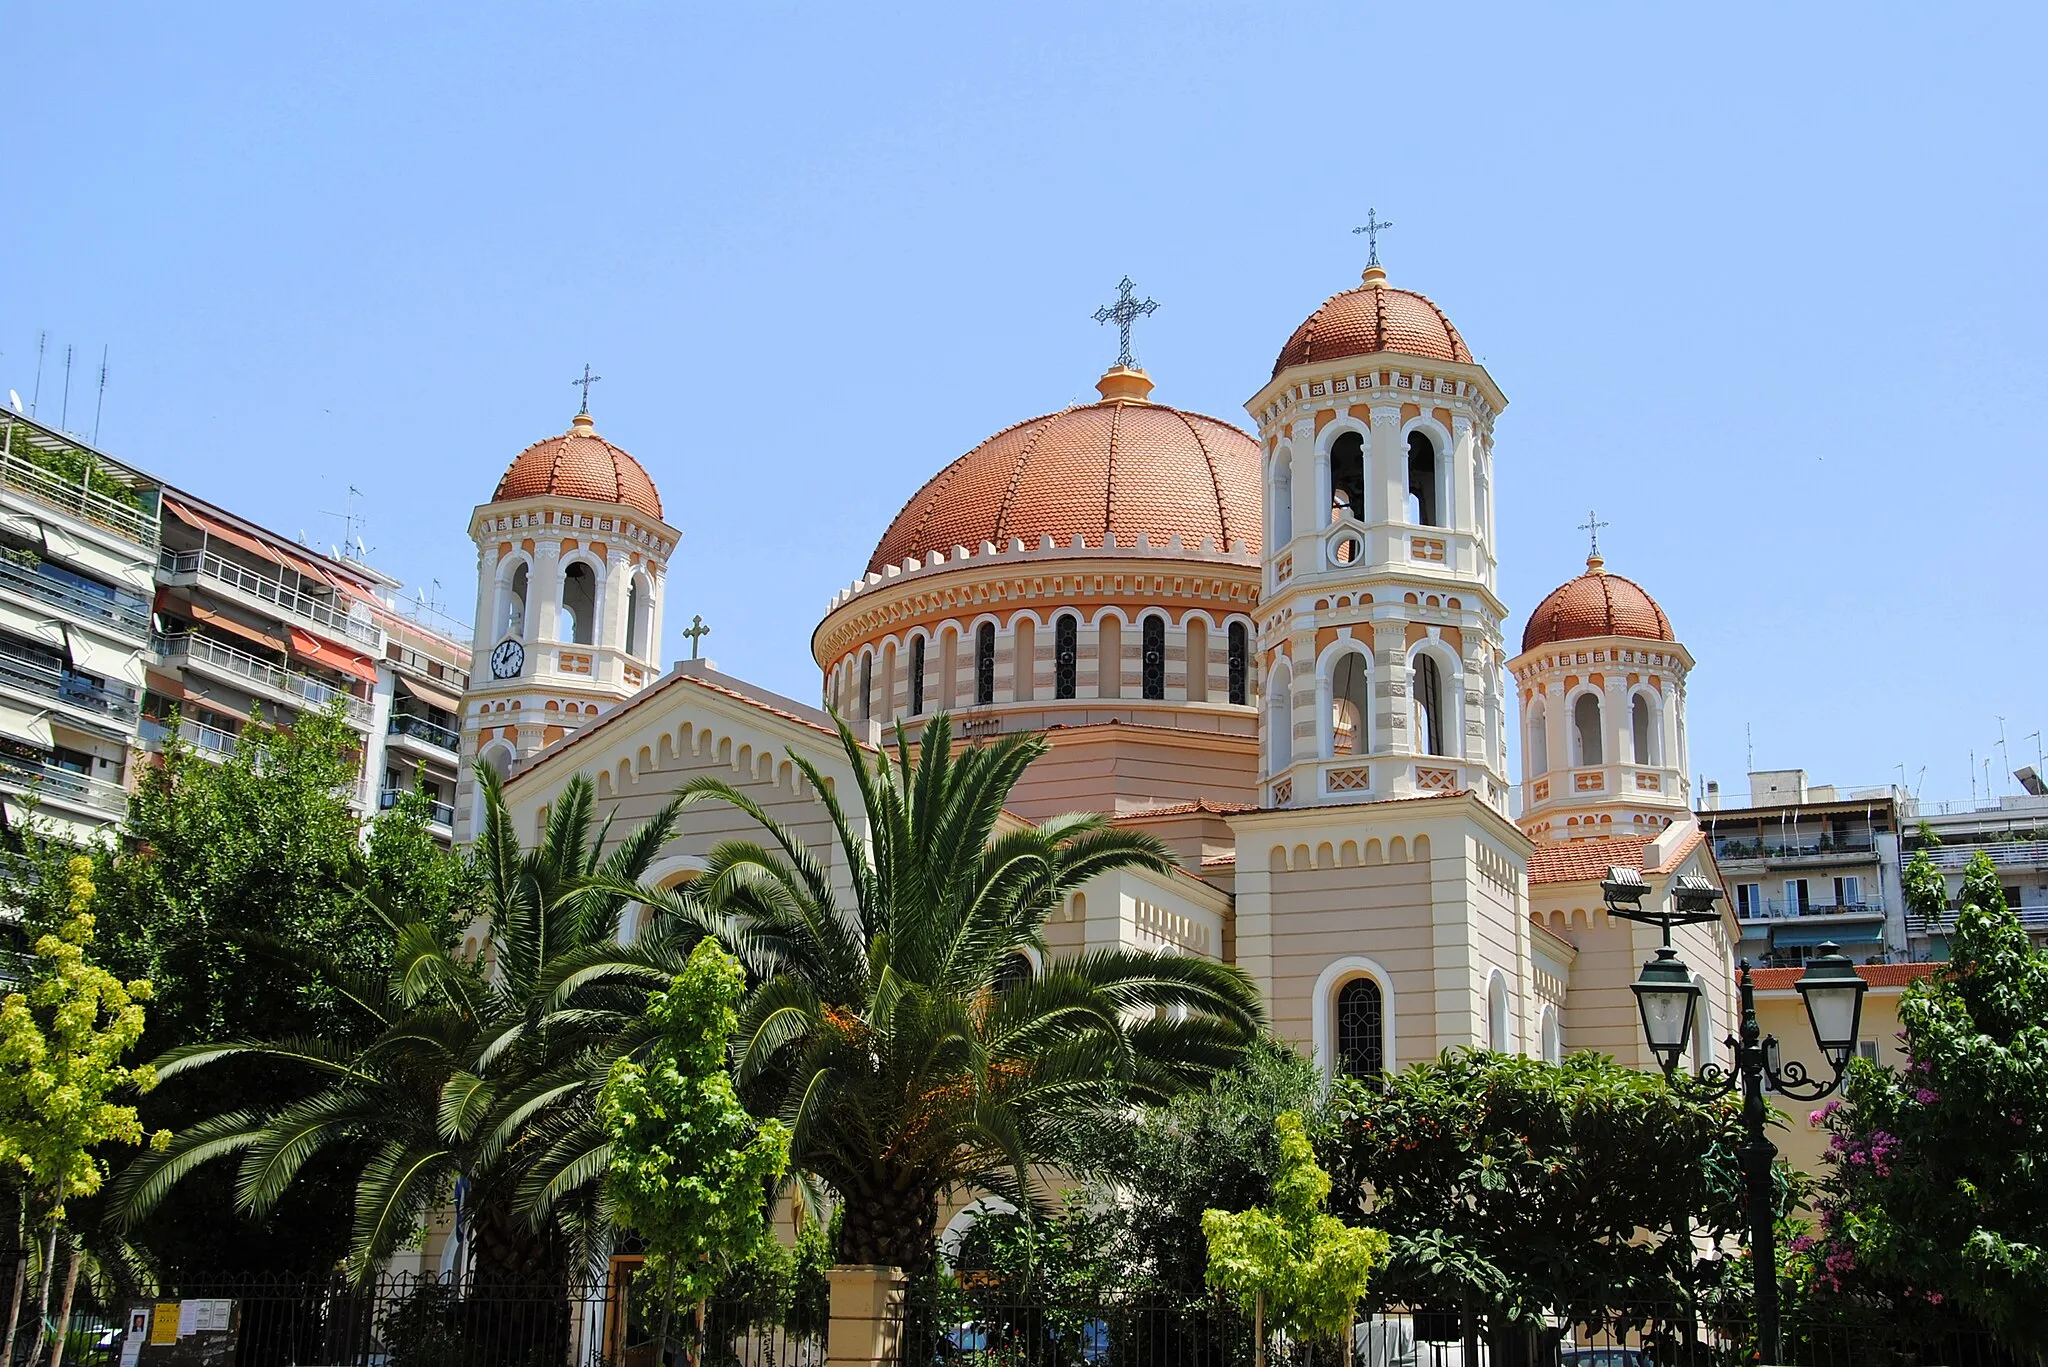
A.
x: 1429, y: 706
x: 1347, y: 477
x: 512, y: 606
x: 1349, y: 705
x: 1424, y: 506
x: 1280, y: 501
x: 1642, y: 730
x: 579, y: 605
x: 1586, y: 730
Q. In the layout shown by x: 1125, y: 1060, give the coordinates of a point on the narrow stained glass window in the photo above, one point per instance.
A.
x: 917, y: 677
x: 1240, y: 647
x: 1066, y: 655
x: 1153, y: 666
x: 1361, y: 1029
x: 985, y: 664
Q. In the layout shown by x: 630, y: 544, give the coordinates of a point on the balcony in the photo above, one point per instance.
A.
x: 127, y: 613
x: 208, y: 742
x: 65, y: 787
x: 273, y: 592
x: 438, y: 740
x: 2033, y: 917
x: 439, y: 813
x: 1792, y: 849
x: 2006, y: 854
x: 53, y: 469
x: 109, y: 705
x: 273, y: 681
x: 1778, y: 909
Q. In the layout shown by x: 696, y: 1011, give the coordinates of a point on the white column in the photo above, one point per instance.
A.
x: 544, y: 590
x: 1464, y: 501
x: 486, y: 625
x: 1557, y: 727
x: 611, y: 615
x: 656, y: 585
x: 1307, y: 476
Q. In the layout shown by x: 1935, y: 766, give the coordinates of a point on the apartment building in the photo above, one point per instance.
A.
x: 1807, y: 864
x: 2012, y: 830
x: 250, y: 623
x: 78, y: 544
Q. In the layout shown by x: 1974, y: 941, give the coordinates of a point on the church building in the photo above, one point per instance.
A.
x: 1282, y: 651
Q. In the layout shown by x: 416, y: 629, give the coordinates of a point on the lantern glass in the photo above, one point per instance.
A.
x: 1666, y: 995
x: 1834, y: 1003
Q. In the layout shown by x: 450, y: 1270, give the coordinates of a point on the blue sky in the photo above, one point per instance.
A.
x: 1763, y: 285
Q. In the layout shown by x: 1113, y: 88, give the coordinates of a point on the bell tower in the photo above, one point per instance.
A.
x: 572, y: 567
x: 1380, y: 633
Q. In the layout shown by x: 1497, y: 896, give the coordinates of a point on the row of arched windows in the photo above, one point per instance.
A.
x: 1359, y: 1033
x: 1425, y: 498
x: 576, y: 608
x: 1588, y: 733
x: 1066, y: 657
x: 1347, y: 727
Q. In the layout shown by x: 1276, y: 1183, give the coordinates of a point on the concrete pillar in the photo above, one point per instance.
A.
x: 866, y: 1327
x: 1307, y: 519
x: 1557, y: 725
x: 544, y: 590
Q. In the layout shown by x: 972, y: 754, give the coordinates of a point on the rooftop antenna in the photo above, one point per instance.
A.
x: 100, y: 406
x: 64, y: 414
x: 1749, y: 747
x: 352, y: 524
x: 2004, y: 758
x: 36, y: 394
x: 1973, y: 776
x: 14, y: 397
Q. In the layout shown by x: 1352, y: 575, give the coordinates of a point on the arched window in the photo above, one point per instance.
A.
x: 579, y: 605
x: 867, y: 687
x: 1280, y: 721
x: 1429, y: 706
x: 917, y: 676
x: 1350, y: 704
x: 1197, y: 631
x: 1586, y: 730
x: 1152, y: 662
x: 985, y: 664
x: 512, y: 620
x: 636, y: 630
x: 1497, y: 1014
x: 1538, y: 752
x: 1240, y: 663
x: 1642, y: 730
x: 1361, y: 1029
x: 1014, y: 971
x: 1423, y: 509
x: 1280, y: 504
x: 1347, y: 477
x: 1066, y: 655
x: 1109, y: 659
x: 1553, y: 1036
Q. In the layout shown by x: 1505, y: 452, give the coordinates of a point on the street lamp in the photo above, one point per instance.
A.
x: 1668, y: 999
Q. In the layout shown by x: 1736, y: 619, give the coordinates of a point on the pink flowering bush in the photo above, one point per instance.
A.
x: 1936, y: 1198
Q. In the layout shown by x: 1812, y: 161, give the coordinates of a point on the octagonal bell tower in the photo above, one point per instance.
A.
x: 572, y: 566
x: 1380, y: 642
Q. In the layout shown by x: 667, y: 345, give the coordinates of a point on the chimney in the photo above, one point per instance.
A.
x: 1713, y: 798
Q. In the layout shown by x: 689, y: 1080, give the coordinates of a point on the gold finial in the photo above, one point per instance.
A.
x: 1124, y: 383
x: 1375, y: 277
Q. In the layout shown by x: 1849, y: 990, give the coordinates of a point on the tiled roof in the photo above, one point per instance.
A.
x: 1188, y: 809
x: 1596, y: 604
x: 1373, y: 318
x: 1114, y: 468
x: 1578, y: 861
x: 1877, y: 975
x: 580, y: 464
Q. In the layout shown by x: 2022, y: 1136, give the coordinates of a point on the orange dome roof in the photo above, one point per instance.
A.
x: 579, y: 464
x: 1373, y: 318
x: 1119, y: 467
x: 1596, y: 604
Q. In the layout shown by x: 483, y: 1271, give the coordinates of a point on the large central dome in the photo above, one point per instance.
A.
x: 1120, y: 467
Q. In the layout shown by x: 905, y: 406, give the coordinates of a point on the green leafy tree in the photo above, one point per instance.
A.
x: 477, y: 1073
x: 691, y: 1171
x: 1936, y: 1199
x: 62, y: 1042
x: 1294, y: 1266
x: 1523, y: 1189
x: 1926, y: 890
x: 883, y: 1030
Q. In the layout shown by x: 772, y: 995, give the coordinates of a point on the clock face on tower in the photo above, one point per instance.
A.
x: 507, y: 660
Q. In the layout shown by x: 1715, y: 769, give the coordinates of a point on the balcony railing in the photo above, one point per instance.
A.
x: 2034, y: 916
x: 127, y: 613
x: 1793, y: 847
x: 53, y: 783
x: 2010, y: 853
x: 48, y: 480
x: 209, y: 742
x: 303, y: 689
x: 441, y: 813
x: 116, y: 704
x: 273, y: 591
x: 419, y: 728
x: 1777, y: 908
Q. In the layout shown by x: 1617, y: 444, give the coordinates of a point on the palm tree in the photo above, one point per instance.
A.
x: 884, y: 1026
x: 476, y: 1068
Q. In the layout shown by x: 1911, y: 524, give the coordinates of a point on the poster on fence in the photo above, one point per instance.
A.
x: 194, y: 1333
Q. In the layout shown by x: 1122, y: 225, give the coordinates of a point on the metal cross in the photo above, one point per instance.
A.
x: 1373, y: 224
x: 1123, y: 313
x: 587, y: 381
x: 1593, y: 524
x: 696, y: 631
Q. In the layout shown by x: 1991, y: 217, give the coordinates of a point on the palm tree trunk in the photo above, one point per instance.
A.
x: 43, y: 1296
x: 64, y: 1310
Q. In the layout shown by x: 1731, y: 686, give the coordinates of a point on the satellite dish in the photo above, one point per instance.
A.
x: 14, y: 398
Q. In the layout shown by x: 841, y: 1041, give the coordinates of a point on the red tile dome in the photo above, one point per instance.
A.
x: 1373, y: 318
x: 1119, y: 467
x: 1596, y: 604
x: 579, y: 464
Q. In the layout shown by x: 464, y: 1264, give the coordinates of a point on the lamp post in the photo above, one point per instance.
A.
x: 1668, y: 999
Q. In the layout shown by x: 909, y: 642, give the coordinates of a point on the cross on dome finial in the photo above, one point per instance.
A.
x: 1373, y: 224
x: 1125, y: 311
x: 585, y: 383
x: 1593, y: 524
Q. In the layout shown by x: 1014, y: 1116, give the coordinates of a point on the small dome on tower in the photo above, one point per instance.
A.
x: 579, y: 464
x: 1373, y: 318
x: 1120, y: 466
x: 1596, y: 604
